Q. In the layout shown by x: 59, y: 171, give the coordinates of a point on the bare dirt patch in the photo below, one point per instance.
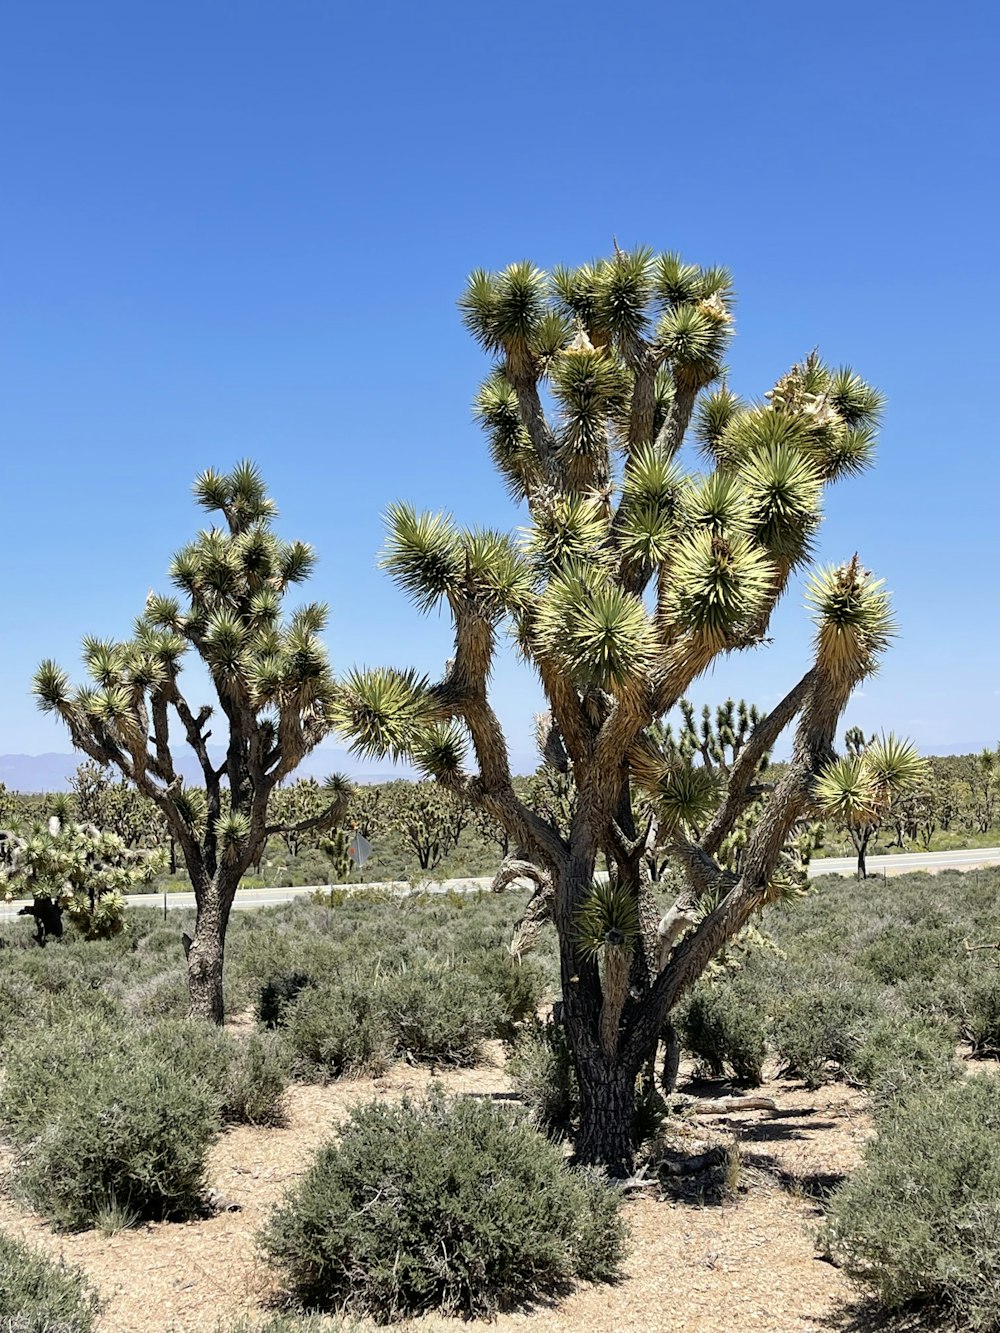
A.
x: 749, y: 1264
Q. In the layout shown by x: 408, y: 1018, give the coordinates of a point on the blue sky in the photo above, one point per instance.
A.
x: 241, y: 229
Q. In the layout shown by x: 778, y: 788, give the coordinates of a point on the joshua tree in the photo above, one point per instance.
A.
x: 858, y: 789
x: 77, y: 868
x: 274, y: 689
x: 632, y: 578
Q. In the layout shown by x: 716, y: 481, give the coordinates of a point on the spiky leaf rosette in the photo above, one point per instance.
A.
x: 598, y: 633
x: 422, y: 554
x: 858, y: 788
x: 685, y: 796
x: 783, y: 493
x: 440, y: 751
x: 511, y: 448
x: 566, y: 529
x: 718, y: 587
x: 608, y: 915
x: 854, y: 621
x: 894, y: 766
x: 844, y: 792
x: 384, y: 711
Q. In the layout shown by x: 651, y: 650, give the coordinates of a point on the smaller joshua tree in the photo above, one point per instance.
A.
x: 273, y: 686
x: 858, y: 789
x: 79, y: 869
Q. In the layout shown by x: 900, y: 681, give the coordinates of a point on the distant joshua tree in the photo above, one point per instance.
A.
x: 274, y: 692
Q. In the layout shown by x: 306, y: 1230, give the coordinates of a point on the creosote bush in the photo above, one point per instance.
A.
x: 41, y: 1295
x: 540, y: 1067
x: 450, y: 1206
x: 918, y: 1221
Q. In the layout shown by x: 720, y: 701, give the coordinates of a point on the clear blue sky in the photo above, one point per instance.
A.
x: 238, y: 229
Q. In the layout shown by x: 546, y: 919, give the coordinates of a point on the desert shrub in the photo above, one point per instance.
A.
x: 980, y: 1012
x: 256, y: 1081
x: 919, y: 1219
x: 289, y: 1323
x: 103, y: 1124
x: 245, y: 1077
x: 541, y: 1072
x: 517, y: 985
x: 276, y: 995
x: 902, y: 952
x: 450, y: 1206
x: 817, y: 1029
x: 41, y: 1295
x: 438, y: 1014
x: 901, y: 1052
x: 338, y: 1029
x: 163, y: 995
x: 724, y: 1027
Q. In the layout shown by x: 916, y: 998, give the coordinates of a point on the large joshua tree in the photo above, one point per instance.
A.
x: 632, y: 577
x: 273, y: 687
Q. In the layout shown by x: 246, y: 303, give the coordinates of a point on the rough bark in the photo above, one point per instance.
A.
x: 206, y: 955
x: 607, y: 1113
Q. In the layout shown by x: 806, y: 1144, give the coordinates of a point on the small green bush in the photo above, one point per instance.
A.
x: 245, y: 1076
x: 456, y: 1207
x: 910, y: 952
x: 276, y: 995
x: 980, y: 1013
x: 902, y: 1052
x: 256, y: 1082
x: 540, y: 1066
x: 438, y: 1014
x: 920, y: 1219
x: 40, y: 1295
x: 517, y: 985
x: 724, y: 1028
x: 818, y: 1029
x: 104, y: 1126
x: 338, y: 1029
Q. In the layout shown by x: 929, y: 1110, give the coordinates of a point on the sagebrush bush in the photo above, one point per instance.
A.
x: 42, y: 1295
x: 920, y: 1218
x: 246, y: 1077
x: 818, y: 1028
x: 104, y: 1123
x: 450, y: 1206
x: 276, y: 995
x: 724, y: 1027
x: 910, y: 952
x: 516, y: 985
x: 902, y: 1052
x: 438, y: 1014
x: 336, y: 1029
x: 980, y: 1012
x: 540, y: 1066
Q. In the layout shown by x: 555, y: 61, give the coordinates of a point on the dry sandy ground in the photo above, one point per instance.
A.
x: 747, y: 1265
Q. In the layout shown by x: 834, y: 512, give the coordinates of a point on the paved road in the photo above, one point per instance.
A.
x: 249, y: 899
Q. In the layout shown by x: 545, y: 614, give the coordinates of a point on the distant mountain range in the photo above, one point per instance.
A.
x: 53, y: 772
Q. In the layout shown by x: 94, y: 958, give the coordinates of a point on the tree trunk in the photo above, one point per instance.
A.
x: 607, y: 1114
x: 206, y: 954
x: 671, y: 1058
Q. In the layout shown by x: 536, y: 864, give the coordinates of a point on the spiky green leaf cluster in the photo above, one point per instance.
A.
x: 384, y: 711
x: 854, y: 620
x: 608, y: 915
x: 686, y: 795
x: 858, y: 788
x: 719, y: 586
x: 599, y: 633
